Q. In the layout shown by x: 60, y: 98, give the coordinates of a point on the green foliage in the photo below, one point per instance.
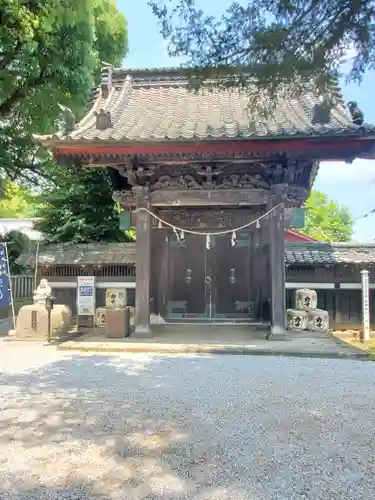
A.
x: 17, y: 202
x: 280, y: 41
x: 111, y: 32
x: 50, y: 55
x: 21, y: 157
x: 17, y: 243
x: 326, y: 220
x: 80, y: 209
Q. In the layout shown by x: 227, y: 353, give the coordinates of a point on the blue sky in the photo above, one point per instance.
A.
x: 352, y: 185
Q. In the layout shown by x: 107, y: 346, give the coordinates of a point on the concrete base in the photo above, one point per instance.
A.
x: 302, y: 344
x: 141, y: 332
x: 277, y: 333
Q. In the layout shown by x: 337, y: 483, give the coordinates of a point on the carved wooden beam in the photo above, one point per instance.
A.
x: 292, y: 195
x: 231, y: 197
x: 289, y: 193
x: 126, y: 199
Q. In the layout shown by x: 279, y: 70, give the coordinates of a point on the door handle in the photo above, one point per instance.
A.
x: 208, y: 279
x: 232, y: 278
x: 188, y: 277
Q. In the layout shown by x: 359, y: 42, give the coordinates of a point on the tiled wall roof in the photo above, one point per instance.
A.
x: 124, y: 253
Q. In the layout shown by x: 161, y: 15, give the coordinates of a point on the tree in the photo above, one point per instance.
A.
x: 326, y: 220
x: 17, y: 202
x: 50, y: 56
x: 281, y: 41
x: 17, y: 244
x: 80, y: 209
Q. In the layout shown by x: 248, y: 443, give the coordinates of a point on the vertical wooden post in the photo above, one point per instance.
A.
x: 277, y: 265
x: 336, y: 305
x: 143, y: 265
x: 366, y: 331
x: 255, y: 274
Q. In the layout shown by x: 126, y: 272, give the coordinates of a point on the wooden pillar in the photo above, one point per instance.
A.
x: 143, y: 265
x: 337, y: 306
x: 255, y: 275
x: 277, y: 268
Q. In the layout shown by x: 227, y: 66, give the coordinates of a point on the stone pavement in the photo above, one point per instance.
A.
x: 144, y: 427
x: 220, y: 341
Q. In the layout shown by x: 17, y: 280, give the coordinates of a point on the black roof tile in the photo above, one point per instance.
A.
x: 157, y: 105
x: 124, y: 253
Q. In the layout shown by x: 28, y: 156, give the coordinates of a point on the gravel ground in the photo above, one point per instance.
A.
x: 215, y: 427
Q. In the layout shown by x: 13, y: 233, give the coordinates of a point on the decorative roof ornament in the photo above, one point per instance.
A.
x: 321, y: 112
x: 106, y: 79
x: 357, y: 115
x: 69, y: 119
x: 103, y: 120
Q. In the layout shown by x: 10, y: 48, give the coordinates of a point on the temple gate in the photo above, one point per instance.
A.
x: 206, y: 162
x: 215, y: 278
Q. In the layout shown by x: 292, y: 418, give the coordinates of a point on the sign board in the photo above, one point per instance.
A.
x: 4, y: 291
x: 86, y: 296
x: 365, y: 306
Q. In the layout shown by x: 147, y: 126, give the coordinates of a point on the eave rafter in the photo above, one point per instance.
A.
x: 343, y: 148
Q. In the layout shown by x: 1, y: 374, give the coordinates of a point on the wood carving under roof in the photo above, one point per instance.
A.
x: 289, y: 193
x: 256, y: 175
x: 255, y: 181
x: 181, y: 182
x: 281, y: 181
x: 125, y: 198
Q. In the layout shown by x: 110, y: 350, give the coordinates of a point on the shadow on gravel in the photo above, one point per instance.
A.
x: 98, y: 427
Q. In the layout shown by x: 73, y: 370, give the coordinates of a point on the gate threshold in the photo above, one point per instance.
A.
x: 215, y: 322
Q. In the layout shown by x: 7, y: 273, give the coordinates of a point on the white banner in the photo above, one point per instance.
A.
x: 86, y: 296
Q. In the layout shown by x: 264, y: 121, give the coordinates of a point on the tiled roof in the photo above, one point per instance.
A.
x: 93, y: 253
x: 124, y: 253
x: 157, y: 105
x: 323, y: 253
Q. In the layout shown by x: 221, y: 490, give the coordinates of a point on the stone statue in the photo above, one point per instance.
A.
x: 43, y: 291
x: 34, y: 321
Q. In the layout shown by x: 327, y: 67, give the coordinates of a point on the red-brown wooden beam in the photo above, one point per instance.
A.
x: 355, y: 145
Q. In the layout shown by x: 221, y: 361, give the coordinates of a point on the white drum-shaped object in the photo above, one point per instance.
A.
x: 296, y: 320
x: 318, y: 320
x: 115, y: 298
x: 306, y: 299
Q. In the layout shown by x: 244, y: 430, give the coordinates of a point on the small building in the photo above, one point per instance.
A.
x: 335, y: 272
x: 212, y: 182
x: 292, y: 236
x: 112, y: 264
x: 332, y: 270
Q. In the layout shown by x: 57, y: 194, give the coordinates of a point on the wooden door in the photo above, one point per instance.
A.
x: 186, y: 277
x: 231, y: 262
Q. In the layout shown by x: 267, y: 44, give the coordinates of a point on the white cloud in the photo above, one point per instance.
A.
x: 359, y: 172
